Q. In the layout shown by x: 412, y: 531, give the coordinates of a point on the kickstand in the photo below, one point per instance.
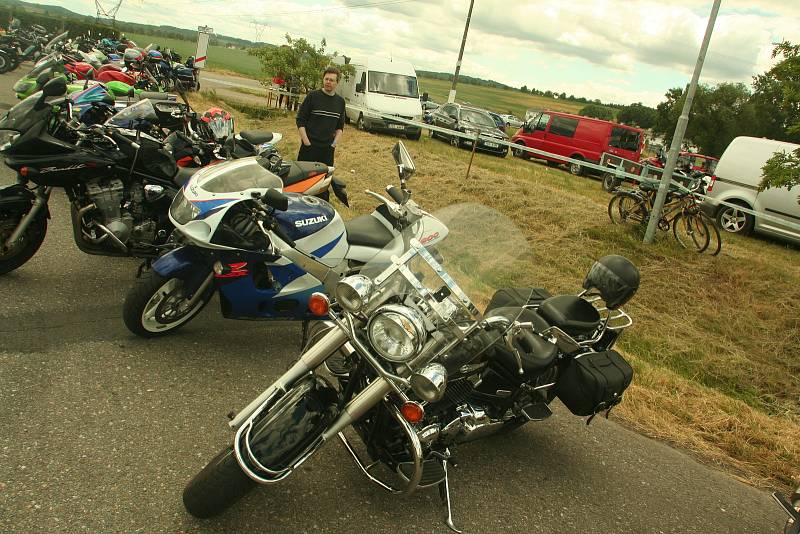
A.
x: 304, y: 335
x: 145, y: 266
x: 444, y: 493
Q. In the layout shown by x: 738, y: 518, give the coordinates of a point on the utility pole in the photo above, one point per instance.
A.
x: 452, y: 96
x: 680, y: 130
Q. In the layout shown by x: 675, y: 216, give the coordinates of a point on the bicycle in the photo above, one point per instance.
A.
x: 690, y: 225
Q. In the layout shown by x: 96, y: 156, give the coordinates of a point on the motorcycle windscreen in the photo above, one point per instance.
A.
x: 23, y: 116
x: 452, y: 281
x: 134, y: 115
x: 236, y: 176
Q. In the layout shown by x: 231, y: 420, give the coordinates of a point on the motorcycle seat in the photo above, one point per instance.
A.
x: 298, y: 171
x: 536, y: 357
x: 183, y: 175
x: 570, y: 313
x: 256, y: 137
x: 367, y: 231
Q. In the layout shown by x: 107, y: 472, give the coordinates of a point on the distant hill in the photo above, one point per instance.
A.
x: 58, y: 12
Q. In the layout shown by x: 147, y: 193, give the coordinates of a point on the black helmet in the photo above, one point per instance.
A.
x: 615, y: 277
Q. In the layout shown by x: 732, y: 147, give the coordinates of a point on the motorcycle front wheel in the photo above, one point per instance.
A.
x: 18, y: 254
x: 217, y: 487
x: 157, y: 305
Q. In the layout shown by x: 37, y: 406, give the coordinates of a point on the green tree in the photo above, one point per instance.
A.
x: 719, y: 113
x: 638, y: 114
x: 524, y: 88
x: 299, y: 59
x: 597, y: 111
x: 777, y: 99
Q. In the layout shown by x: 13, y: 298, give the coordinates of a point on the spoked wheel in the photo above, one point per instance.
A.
x: 691, y: 232
x: 24, y: 249
x: 627, y: 209
x: 219, y: 485
x: 156, y: 305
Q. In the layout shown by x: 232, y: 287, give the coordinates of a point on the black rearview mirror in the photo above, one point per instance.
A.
x: 403, y: 160
x: 359, y: 88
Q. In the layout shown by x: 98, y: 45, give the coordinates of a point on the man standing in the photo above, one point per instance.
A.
x: 320, y: 120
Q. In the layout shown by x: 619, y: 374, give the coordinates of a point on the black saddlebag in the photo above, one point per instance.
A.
x: 593, y: 382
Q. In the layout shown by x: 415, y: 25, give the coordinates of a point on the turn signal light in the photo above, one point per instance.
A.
x: 318, y: 304
x: 412, y: 412
x: 23, y: 171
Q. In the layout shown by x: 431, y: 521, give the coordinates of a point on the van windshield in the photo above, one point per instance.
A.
x: 386, y: 83
x: 625, y: 139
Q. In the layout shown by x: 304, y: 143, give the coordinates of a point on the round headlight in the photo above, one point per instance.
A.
x: 397, y: 332
x: 353, y: 292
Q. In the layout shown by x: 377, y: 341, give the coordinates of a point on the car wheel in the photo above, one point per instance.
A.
x: 576, y: 169
x: 610, y: 182
x: 734, y: 220
x: 518, y: 152
x: 455, y: 141
x: 360, y: 124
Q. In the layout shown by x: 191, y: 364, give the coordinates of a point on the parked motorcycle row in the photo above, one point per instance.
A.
x: 411, y: 345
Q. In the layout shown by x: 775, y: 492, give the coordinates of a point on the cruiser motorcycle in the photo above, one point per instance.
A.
x: 421, y: 355
x: 790, y: 505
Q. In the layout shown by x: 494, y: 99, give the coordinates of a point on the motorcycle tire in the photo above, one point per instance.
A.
x: 218, y: 486
x: 149, y: 308
x: 5, y: 62
x: 32, y: 239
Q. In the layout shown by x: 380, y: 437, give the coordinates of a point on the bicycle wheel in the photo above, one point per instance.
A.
x: 691, y: 231
x: 715, y: 238
x: 627, y: 209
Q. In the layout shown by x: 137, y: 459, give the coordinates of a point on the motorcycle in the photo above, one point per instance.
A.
x: 791, y: 506
x: 119, y: 182
x: 224, y: 215
x: 416, y: 368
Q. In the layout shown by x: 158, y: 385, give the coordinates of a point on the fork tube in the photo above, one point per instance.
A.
x: 42, y: 196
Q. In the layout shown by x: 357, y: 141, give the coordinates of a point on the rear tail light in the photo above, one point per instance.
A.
x: 711, y: 183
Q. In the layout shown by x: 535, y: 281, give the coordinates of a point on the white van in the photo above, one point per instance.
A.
x: 736, y: 181
x: 386, y: 86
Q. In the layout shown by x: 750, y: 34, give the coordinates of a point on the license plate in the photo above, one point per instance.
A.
x: 397, y: 126
x: 489, y: 144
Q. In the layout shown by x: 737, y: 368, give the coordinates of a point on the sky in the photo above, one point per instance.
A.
x: 620, y: 51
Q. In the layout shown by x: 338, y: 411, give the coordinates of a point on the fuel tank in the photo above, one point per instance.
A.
x: 315, y: 227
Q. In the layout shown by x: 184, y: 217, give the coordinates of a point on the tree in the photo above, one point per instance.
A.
x: 597, y: 111
x: 777, y: 99
x: 719, y: 113
x: 562, y: 96
x: 638, y: 114
x: 298, y: 59
x: 524, y: 88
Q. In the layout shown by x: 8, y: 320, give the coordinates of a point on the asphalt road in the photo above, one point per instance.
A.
x: 100, y: 430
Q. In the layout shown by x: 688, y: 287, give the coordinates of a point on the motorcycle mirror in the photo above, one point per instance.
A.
x: 276, y: 199
x: 405, y: 164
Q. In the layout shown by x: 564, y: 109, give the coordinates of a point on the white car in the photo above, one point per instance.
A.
x: 512, y: 121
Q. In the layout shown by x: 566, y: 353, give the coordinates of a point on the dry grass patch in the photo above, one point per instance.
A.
x: 714, y: 340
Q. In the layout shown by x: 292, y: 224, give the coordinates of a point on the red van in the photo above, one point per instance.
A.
x: 577, y: 137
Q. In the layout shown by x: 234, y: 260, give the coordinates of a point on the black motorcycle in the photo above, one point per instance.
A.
x: 119, y: 182
x: 422, y: 354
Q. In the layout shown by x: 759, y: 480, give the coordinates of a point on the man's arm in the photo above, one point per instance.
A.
x: 302, y: 118
x: 336, y: 137
x: 339, y: 125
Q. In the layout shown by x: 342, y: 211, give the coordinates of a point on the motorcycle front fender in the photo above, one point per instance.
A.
x: 188, y: 263
x: 17, y: 199
x: 288, y: 431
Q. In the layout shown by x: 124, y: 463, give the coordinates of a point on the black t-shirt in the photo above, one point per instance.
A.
x: 321, y: 115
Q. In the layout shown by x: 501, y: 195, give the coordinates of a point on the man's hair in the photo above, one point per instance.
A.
x: 333, y: 70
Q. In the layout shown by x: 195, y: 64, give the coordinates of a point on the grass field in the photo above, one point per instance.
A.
x: 714, y: 340
x: 219, y: 57
x: 497, y: 100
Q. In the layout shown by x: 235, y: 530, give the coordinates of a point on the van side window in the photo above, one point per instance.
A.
x: 624, y: 138
x: 541, y: 124
x: 564, y: 126
x: 364, y: 80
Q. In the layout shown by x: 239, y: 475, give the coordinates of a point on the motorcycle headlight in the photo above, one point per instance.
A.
x: 182, y: 210
x: 353, y: 292
x: 396, y: 332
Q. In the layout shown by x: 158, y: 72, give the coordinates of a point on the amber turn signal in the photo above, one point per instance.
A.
x: 318, y: 304
x: 412, y: 412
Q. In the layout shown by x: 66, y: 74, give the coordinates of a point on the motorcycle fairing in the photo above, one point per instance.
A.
x: 186, y: 263
x: 305, y: 216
